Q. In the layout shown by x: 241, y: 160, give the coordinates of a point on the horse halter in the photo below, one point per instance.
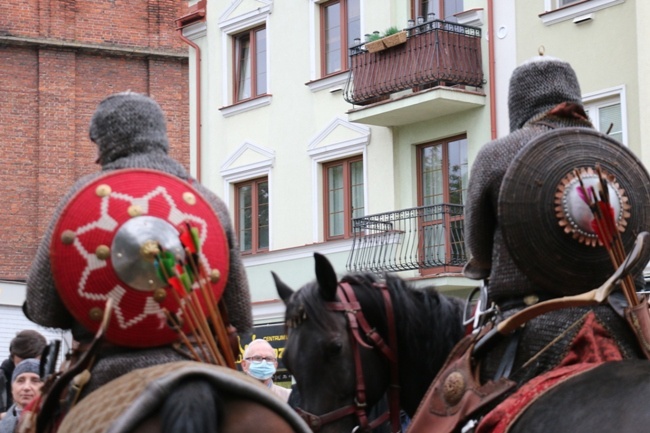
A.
x: 357, y: 322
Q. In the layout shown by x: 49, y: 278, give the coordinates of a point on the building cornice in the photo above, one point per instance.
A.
x: 97, y: 48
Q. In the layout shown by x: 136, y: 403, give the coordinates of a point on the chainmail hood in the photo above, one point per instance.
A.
x: 537, y: 86
x: 128, y: 123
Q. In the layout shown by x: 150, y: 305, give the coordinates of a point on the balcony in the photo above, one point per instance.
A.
x: 436, y: 72
x: 427, y: 238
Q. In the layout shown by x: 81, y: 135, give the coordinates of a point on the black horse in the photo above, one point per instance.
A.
x: 319, y: 350
x: 321, y: 354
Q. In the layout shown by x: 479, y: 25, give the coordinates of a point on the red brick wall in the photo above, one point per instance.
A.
x: 48, y: 95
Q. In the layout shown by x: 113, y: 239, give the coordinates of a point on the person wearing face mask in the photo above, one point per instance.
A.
x: 260, y: 363
x: 25, y: 386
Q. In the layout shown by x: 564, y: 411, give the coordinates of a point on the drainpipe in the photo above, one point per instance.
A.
x: 491, y: 69
x: 196, y: 14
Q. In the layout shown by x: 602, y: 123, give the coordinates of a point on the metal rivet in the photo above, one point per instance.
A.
x: 103, y: 190
x: 67, y: 237
x: 149, y: 250
x: 454, y: 388
x: 96, y: 314
x: 189, y: 198
x: 159, y: 295
x: 134, y: 210
x: 215, y: 275
x: 103, y: 252
x: 531, y: 300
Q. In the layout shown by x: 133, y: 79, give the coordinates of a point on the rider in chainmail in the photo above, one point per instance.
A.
x: 544, y: 94
x: 130, y: 132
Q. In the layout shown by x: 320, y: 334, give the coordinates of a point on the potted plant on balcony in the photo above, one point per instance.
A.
x: 391, y: 37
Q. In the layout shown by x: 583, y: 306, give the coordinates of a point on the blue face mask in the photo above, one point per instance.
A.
x: 261, y: 370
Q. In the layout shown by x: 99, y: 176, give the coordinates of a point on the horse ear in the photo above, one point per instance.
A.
x: 284, y: 291
x: 326, y: 277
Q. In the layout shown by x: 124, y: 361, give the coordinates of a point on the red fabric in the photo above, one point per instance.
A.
x: 591, y: 347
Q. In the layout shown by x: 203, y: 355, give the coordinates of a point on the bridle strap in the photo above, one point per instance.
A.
x: 349, y: 305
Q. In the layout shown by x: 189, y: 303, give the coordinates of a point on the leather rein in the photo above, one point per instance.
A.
x: 358, y: 326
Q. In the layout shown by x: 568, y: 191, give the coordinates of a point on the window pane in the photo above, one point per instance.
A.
x: 354, y: 21
x: 245, y: 222
x: 356, y: 188
x: 263, y: 215
x: 458, y: 170
x: 335, y: 184
x: 260, y: 48
x: 432, y: 175
x: 333, y: 38
x: 244, y: 65
x: 452, y: 7
x: 610, y: 116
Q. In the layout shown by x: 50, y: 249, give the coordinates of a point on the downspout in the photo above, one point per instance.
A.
x: 197, y: 14
x: 491, y: 69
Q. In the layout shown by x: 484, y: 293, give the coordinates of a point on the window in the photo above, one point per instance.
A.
x: 443, y: 9
x: 443, y: 173
x: 250, y: 64
x: 252, y: 215
x: 606, y: 117
x: 340, y: 25
x: 344, y: 194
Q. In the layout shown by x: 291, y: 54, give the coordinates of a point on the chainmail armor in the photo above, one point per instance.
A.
x: 148, y: 150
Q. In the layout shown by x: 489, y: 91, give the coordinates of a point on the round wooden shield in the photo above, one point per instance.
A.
x: 547, y: 226
x: 109, y: 241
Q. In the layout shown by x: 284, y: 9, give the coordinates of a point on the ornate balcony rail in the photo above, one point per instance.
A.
x: 435, y: 53
x: 418, y: 238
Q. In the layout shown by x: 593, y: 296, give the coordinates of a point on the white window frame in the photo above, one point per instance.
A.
x: 321, y: 154
x: 316, y: 82
x: 230, y: 27
x: 594, y: 100
x: 553, y: 13
x: 234, y: 175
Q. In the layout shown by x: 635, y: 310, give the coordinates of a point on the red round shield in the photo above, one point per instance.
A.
x: 109, y: 241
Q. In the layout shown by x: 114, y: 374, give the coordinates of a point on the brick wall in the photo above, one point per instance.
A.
x: 59, y: 60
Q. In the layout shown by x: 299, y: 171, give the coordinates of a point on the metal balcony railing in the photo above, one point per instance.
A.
x: 435, y: 53
x: 423, y: 237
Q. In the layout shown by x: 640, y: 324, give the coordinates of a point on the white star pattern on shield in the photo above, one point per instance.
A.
x: 107, y: 223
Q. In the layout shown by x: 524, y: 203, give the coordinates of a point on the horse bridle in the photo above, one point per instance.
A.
x: 357, y: 323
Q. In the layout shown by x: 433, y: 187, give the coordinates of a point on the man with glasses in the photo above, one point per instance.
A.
x: 260, y: 363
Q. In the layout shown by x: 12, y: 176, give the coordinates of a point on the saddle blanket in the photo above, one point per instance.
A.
x: 592, y: 346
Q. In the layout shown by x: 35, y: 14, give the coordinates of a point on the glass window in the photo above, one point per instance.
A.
x: 606, y: 116
x: 443, y: 174
x: 250, y: 64
x: 340, y: 25
x: 252, y: 215
x: 443, y: 9
x: 344, y: 196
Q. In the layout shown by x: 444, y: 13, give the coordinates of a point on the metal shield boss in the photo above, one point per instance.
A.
x: 547, y: 226
x: 106, y: 244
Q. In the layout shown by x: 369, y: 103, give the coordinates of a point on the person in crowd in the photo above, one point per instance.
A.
x: 261, y: 363
x: 25, y: 386
x: 26, y: 344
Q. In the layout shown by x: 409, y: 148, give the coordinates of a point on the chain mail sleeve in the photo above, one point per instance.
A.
x: 480, y: 211
x: 43, y: 305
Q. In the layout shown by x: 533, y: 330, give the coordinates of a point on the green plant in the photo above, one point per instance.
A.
x: 391, y: 31
x: 373, y: 37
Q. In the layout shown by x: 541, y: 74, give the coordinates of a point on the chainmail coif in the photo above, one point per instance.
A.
x: 130, y: 132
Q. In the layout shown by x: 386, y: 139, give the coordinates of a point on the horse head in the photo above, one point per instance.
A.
x: 320, y: 353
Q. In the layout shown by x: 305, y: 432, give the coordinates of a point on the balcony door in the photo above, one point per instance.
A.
x: 443, y: 9
x: 442, y: 186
